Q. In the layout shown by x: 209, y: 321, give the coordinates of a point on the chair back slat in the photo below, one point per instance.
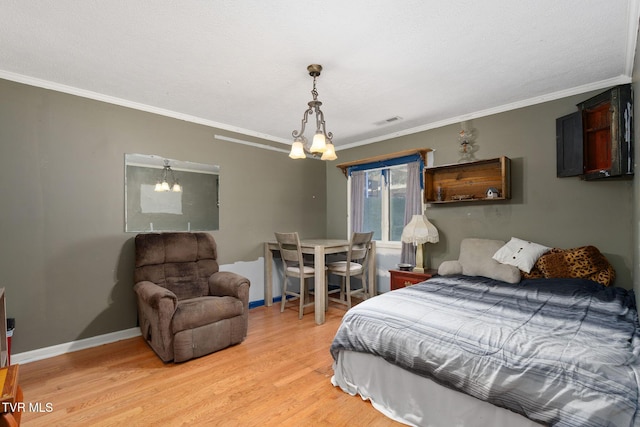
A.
x: 290, y: 249
x: 359, y: 247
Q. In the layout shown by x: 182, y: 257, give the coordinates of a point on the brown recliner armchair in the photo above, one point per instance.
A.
x: 186, y: 307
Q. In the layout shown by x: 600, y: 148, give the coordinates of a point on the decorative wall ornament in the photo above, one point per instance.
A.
x: 466, y: 140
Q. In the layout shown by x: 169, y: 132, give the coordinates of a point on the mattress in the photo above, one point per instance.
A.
x: 561, y: 352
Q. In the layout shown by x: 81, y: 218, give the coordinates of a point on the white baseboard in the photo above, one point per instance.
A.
x: 56, y: 350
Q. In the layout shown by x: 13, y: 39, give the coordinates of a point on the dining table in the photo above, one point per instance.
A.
x: 319, y: 248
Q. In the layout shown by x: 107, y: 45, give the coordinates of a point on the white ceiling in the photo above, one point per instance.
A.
x: 241, y: 65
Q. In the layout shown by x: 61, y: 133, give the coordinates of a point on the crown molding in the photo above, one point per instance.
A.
x: 622, y: 79
x: 45, y: 84
x: 602, y: 84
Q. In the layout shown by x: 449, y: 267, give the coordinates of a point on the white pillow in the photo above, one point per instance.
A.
x: 520, y: 253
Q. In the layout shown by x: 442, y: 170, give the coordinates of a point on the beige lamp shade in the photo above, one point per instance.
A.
x: 297, y: 150
x: 319, y: 144
x: 329, y: 153
x: 419, y: 231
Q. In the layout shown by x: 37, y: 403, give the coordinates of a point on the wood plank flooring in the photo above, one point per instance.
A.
x: 279, y: 376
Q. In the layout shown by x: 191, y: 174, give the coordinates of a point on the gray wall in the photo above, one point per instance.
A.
x: 65, y: 259
x: 563, y: 213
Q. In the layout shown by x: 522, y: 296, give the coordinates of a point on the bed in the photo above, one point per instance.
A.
x: 472, y: 350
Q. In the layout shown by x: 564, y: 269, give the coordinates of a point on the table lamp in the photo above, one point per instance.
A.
x: 419, y: 231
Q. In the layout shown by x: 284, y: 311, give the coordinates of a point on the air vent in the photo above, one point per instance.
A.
x: 388, y: 121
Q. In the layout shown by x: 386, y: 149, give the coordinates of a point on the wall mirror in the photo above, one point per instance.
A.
x: 189, y: 201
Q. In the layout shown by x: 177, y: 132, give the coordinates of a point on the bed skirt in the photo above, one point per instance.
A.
x: 414, y: 400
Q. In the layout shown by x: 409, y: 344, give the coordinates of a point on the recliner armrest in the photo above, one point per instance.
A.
x: 152, y: 294
x: 156, y: 307
x: 227, y: 283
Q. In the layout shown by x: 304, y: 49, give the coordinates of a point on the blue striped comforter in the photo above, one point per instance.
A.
x: 560, y: 351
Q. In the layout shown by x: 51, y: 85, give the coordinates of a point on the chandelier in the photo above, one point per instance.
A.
x: 322, y: 141
x: 163, y: 184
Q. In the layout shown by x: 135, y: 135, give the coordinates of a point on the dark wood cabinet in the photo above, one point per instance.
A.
x: 597, y: 140
x: 569, y: 158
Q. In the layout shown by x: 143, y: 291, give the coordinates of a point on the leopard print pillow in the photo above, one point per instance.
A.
x: 584, y: 262
x: 536, y: 272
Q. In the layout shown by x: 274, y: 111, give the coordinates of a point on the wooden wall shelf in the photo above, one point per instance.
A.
x: 468, y: 182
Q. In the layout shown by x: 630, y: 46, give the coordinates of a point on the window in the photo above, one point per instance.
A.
x: 384, y: 191
x: 384, y: 202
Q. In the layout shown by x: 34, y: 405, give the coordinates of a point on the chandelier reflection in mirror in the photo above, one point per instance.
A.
x: 322, y: 141
x: 163, y: 184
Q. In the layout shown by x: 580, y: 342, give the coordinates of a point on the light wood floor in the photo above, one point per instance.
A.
x: 280, y: 375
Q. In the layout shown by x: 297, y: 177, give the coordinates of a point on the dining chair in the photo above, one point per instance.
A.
x: 293, y: 264
x: 354, y: 266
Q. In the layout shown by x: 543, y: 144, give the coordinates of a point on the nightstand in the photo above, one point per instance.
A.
x: 402, y: 279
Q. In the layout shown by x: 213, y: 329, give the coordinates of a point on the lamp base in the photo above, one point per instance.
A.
x: 419, y: 268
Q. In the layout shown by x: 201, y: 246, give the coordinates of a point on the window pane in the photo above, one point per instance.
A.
x: 397, y: 201
x: 373, y: 204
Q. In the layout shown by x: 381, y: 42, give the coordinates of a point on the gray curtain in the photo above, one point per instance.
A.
x: 413, y: 206
x: 358, y: 184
